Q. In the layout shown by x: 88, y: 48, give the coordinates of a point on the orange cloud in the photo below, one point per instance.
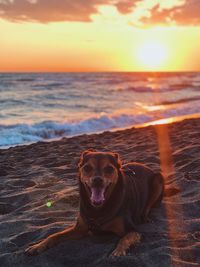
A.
x: 126, y: 6
x: 184, y: 12
x: 45, y: 11
x: 48, y: 10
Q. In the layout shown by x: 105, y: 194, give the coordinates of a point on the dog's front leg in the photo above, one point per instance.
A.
x: 125, y: 242
x: 74, y: 232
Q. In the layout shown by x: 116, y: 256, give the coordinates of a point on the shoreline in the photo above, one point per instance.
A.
x: 136, y: 126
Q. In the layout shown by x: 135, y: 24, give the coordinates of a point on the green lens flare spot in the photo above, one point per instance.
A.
x: 49, y: 204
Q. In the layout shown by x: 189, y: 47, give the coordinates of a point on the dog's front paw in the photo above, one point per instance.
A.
x: 119, y: 251
x: 36, y: 249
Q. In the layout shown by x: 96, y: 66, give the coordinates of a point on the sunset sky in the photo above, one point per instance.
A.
x: 100, y: 35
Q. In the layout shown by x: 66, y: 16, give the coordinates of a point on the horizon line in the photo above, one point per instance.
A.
x: 104, y: 71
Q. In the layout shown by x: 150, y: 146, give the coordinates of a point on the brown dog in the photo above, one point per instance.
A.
x: 113, y: 198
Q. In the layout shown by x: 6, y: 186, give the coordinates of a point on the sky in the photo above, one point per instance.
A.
x: 99, y: 35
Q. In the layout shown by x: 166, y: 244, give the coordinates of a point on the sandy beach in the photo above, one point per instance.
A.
x: 35, y: 174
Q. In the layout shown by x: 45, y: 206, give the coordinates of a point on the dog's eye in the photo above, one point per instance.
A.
x: 109, y: 169
x: 87, y: 168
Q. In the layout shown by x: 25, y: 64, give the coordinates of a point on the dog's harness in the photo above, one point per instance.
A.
x: 94, y: 225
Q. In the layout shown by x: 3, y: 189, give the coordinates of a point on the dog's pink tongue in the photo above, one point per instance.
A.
x: 97, y: 196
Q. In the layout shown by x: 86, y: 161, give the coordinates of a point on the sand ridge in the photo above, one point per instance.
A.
x: 35, y: 174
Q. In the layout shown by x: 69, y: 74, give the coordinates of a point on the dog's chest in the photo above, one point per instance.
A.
x: 116, y: 226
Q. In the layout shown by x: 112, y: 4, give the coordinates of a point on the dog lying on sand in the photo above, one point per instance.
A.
x: 113, y: 198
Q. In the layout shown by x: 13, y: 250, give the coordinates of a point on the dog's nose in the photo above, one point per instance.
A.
x: 97, y: 181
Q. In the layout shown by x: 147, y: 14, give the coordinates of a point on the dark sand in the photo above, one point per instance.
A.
x: 31, y: 175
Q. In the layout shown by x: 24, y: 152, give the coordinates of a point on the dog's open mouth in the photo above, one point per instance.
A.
x: 97, y: 195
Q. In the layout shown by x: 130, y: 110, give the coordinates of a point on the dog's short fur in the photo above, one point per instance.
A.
x: 113, y: 198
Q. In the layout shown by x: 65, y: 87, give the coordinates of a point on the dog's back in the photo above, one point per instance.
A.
x: 141, y: 185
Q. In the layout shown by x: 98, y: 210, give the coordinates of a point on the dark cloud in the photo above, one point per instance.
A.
x: 81, y: 10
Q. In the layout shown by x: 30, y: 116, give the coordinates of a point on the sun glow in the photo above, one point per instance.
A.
x: 152, y: 55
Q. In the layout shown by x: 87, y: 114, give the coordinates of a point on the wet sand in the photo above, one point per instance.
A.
x: 35, y: 174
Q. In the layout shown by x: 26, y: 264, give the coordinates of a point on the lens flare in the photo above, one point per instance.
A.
x: 49, y: 204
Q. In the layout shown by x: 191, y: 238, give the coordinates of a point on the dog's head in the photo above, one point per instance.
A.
x: 99, y: 172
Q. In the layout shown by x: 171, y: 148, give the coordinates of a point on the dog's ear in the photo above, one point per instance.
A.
x: 116, y: 155
x: 83, y: 154
x: 117, y: 160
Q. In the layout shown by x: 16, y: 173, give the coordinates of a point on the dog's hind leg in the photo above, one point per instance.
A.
x: 156, y: 193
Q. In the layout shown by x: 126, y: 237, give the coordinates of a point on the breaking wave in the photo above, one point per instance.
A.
x: 27, y: 133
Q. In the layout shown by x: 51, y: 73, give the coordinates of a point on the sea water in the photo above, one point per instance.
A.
x: 45, y: 106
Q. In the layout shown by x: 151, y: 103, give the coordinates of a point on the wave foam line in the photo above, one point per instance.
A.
x: 24, y: 133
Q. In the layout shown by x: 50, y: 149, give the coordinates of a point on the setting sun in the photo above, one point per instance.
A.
x: 152, y: 54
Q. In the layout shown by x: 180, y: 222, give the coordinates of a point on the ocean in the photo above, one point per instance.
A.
x: 45, y: 106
